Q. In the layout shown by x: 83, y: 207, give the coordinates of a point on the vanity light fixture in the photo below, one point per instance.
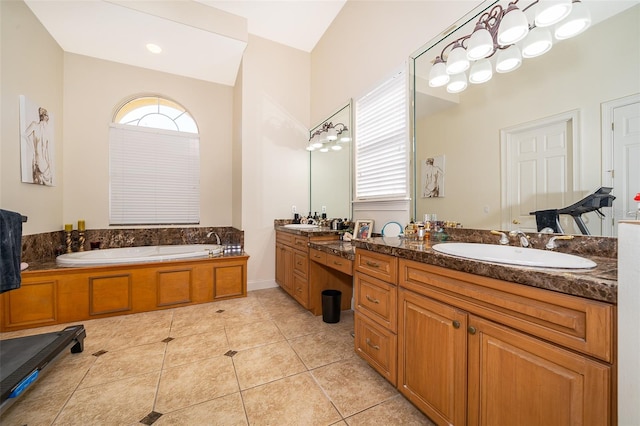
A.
x: 328, y: 132
x: 496, y: 33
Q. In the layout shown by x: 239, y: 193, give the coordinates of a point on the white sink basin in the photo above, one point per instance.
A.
x: 300, y: 226
x: 514, y: 255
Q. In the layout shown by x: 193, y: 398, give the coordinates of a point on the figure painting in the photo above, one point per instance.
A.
x: 433, y: 177
x: 36, y: 143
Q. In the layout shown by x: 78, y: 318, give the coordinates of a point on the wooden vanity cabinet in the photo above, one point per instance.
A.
x: 375, y: 318
x: 478, y: 351
x: 292, y: 264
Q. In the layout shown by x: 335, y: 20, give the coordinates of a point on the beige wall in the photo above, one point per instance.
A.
x: 32, y: 65
x: 275, y: 165
x: 94, y: 89
x: 576, y: 74
x: 368, y: 41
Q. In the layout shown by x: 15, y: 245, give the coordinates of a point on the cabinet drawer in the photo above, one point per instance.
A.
x: 339, y: 263
x: 377, y: 346
x: 300, y: 263
x: 284, y: 238
x: 318, y: 256
x: 377, y: 265
x: 377, y: 300
x: 577, y: 323
x: 301, y: 243
x: 301, y: 290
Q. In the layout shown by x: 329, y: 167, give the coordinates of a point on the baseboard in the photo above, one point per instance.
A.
x: 261, y: 285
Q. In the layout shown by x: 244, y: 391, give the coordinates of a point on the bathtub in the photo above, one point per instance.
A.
x: 144, y: 254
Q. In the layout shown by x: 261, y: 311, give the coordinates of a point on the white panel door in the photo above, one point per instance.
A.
x: 539, y: 173
x: 626, y: 162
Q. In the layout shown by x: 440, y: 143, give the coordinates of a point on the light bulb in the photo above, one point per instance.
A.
x: 457, y: 83
x: 438, y: 75
x: 480, y: 44
x: 509, y: 59
x: 457, y: 61
x: 481, y: 72
x: 549, y: 12
x: 577, y: 22
x: 513, y: 27
x: 537, y: 43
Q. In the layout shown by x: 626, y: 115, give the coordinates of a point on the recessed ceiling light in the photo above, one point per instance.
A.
x: 153, y: 48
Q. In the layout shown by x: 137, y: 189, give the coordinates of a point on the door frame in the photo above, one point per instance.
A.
x: 607, y: 149
x: 573, y: 149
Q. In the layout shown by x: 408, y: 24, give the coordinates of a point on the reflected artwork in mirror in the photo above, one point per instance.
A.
x: 538, y: 137
x: 330, y: 155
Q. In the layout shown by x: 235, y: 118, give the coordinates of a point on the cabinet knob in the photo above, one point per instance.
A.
x: 456, y: 324
x: 471, y: 330
x: 376, y: 347
x: 372, y: 300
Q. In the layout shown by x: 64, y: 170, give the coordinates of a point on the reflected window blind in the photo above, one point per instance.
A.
x: 382, y: 141
x: 154, y: 176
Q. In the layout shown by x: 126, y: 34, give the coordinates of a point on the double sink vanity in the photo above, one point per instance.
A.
x: 472, y: 341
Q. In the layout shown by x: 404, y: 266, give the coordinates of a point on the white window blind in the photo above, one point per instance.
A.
x: 382, y: 139
x: 154, y: 176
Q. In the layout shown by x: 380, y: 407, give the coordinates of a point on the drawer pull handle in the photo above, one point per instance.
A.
x: 376, y: 347
x: 300, y: 263
x: 317, y: 256
x: 335, y: 262
x: 372, y: 300
x: 456, y: 324
x: 299, y: 243
x: 372, y: 264
x: 471, y: 330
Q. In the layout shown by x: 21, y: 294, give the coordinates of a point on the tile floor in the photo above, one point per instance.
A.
x: 259, y: 360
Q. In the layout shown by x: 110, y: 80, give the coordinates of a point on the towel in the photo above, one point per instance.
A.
x: 10, y: 250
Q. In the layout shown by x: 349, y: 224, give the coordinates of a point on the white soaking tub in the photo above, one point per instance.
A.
x: 143, y: 254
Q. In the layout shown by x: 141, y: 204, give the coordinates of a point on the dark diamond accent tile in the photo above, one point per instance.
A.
x: 219, y: 311
x: 231, y: 353
x: 167, y: 340
x: 151, y: 418
x: 100, y: 352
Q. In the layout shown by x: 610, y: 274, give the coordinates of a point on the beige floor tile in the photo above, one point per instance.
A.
x: 227, y: 410
x: 324, y: 348
x: 266, y: 363
x: 187, y: 349
x: 353, y: 386
x: 295, y: 400
x: 197, y: 382
x: 300, y: 324
x: 196, y: 323
x: 346, y: 322
x: 247, y: 336
x: 123, y: 363
x: 395, y: 411
x: 121, y: 402
x: 35, y: 411
x: 140, y: 329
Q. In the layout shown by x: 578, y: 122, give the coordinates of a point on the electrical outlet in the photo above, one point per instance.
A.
x: 294, y: 209
x: 324, y: 209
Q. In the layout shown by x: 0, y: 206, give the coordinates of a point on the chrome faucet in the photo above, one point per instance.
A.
x: 503, y: 237
x: 217, y: 237
x: 551, y: 244
x: 524, y: 239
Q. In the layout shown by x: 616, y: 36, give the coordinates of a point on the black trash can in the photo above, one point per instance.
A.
x: 331, y: 306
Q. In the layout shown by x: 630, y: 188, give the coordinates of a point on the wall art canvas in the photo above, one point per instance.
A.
x: 432, y: 180
x: 36, y: 143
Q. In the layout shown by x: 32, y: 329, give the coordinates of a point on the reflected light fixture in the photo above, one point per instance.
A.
x: 496, y: 33
x: 328, y: 132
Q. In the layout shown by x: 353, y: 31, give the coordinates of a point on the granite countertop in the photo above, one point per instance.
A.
x: 599, y: 283
x: 313, y: 232
x: 337, y: 248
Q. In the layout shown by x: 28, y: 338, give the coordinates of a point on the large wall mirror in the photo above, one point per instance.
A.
x: 538, y: 137
x: 330, y: 165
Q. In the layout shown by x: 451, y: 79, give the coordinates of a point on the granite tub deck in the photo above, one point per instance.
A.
x: 599, y: 283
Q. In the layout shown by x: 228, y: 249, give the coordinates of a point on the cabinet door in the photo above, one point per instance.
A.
x: 284, y: 265
x: 280, y: 267
x: 432, y: 357
x: 516, y: 379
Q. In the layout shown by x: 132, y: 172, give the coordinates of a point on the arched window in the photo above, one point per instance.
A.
x: 154, y: 164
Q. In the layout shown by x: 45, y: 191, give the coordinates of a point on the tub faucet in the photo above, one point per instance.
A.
x: 524, y: 239
x: 503, y: 237
x: 217, y: 237
x: 552, y: 241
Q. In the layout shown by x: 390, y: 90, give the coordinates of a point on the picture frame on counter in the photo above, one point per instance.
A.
x: 363, y: 228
